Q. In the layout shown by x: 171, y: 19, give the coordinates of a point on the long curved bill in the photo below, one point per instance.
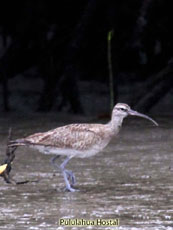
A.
x: 3, y: 168
x: 134, y: 113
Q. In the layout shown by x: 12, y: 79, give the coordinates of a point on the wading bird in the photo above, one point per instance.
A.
x: 78, y: 140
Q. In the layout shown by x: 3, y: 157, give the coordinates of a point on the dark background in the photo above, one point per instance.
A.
x: 55, y: 53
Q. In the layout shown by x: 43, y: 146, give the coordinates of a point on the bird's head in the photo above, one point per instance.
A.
x: 123, y: 110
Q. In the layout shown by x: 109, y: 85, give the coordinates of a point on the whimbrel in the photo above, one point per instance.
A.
x: 78, y: 140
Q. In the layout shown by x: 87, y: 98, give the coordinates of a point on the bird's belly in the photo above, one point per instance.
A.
x: 70, y: 152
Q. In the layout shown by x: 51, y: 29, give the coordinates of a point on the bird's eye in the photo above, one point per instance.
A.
x: 124, y: 110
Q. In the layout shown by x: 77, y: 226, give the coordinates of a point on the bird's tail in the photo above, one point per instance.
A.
x: 16, y: 143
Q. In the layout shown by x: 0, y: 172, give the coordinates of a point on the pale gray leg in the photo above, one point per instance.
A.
x: 52, y: 161
x: 67, y: 173
x: 71, y: 176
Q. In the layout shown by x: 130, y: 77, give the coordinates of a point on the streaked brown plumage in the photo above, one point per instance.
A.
x: 79, y: 137
x: 74, y: 136
x: 78, y: 140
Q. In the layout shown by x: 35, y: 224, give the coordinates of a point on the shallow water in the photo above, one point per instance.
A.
x: 132, y: 179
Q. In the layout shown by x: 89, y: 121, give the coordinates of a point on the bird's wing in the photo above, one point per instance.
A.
x: 79, y: 137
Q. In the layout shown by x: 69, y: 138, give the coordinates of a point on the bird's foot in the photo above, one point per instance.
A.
x: 70, y: 189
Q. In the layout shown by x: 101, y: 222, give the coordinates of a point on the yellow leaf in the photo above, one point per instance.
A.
x: 3, y: 168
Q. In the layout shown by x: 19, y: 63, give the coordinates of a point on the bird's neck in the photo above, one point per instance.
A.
x: 116, y: 123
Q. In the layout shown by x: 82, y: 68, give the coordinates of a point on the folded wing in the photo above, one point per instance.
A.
x: 79, y: 137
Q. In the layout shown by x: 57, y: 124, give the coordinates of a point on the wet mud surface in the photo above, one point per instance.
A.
x: 132, y: 180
